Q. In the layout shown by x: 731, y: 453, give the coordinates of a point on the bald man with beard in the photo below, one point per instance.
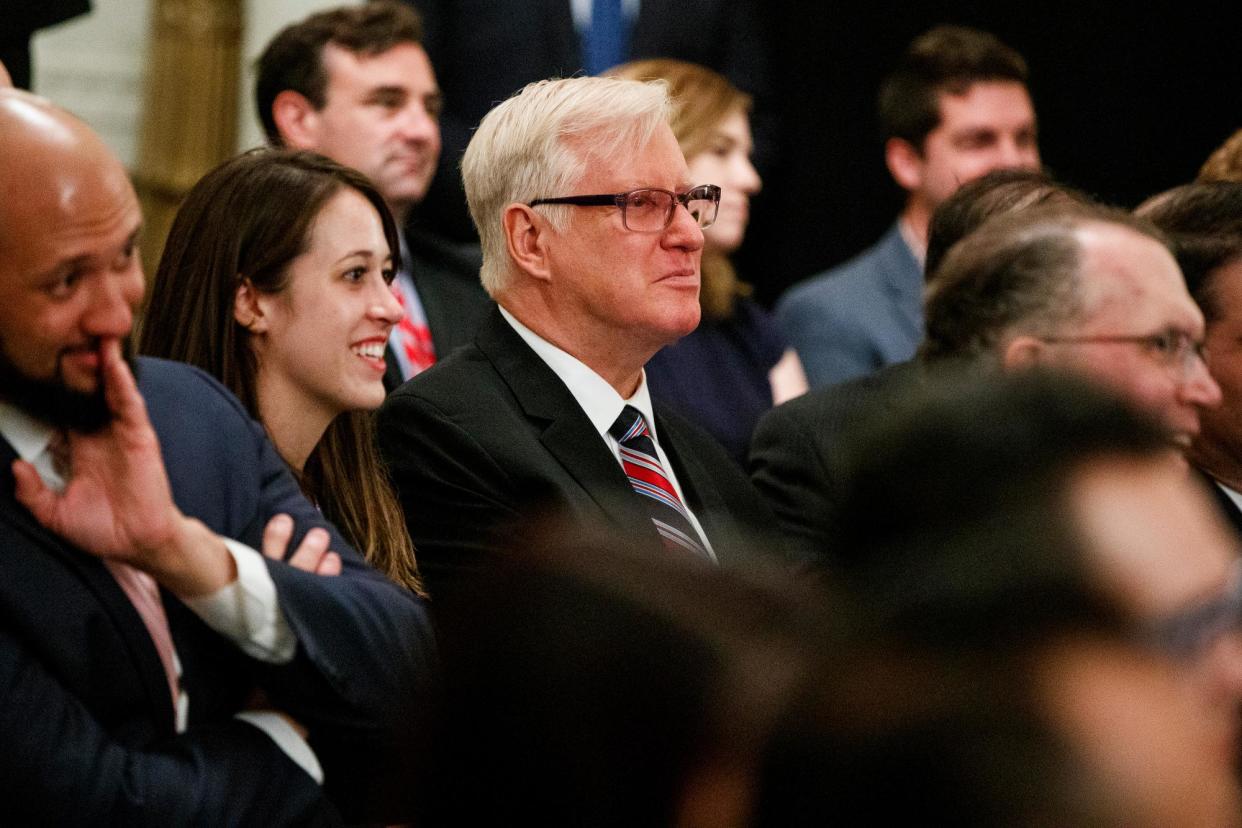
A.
x: 140, y: 630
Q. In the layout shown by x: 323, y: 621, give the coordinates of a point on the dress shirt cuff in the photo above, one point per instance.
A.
x: 287, y: 739
x: 247, y: 611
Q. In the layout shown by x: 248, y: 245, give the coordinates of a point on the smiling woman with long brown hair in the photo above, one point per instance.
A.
x: 275, y: 280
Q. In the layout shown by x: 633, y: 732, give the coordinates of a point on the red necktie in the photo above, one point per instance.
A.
x: 415, y: 337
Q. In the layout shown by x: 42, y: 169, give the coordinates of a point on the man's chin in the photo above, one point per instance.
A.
x: 53, y: 401
x: 59, y: 406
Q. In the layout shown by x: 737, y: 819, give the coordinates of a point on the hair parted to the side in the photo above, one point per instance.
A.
x: 247, y: 220
x: 538, y: 143
x: 1018, y: 273
x: 998, y: 192
x: 1204, y: 223
x: 701, y: 100
x: 293, y: 59
x: 946, y: 59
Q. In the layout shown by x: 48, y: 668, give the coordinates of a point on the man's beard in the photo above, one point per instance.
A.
x: 53, y: 402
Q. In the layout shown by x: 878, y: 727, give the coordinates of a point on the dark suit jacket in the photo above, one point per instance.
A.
x: 800, y: 450
x: 85, y: 716
x: 479, y: 444
x: 485, y: 50
x: 447, y: 281
x: 856, y: 318
x: 1228, y: 509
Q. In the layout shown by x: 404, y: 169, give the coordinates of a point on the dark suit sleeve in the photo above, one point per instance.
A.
x: 366, y: 664
x: 369, y: 640
x: 789, y: 470
x: 59, y: 766
x: 460, y: 502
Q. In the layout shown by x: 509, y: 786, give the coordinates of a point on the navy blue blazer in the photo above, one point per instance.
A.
x: 859, y: 317
x: 85, y: 716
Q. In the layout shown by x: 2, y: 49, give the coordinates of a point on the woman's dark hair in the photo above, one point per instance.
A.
x: 247, y: 220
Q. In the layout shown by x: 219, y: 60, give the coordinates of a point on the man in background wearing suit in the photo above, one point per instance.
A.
x: 1204, y: 223
x: 1061, y: 287
x: 954, y: 109
x: 591, y: 237
x: 139, y: 626
x: 486, y: 51
x: 354, y: 84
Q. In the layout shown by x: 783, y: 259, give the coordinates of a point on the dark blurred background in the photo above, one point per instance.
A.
x: 1131, y: 99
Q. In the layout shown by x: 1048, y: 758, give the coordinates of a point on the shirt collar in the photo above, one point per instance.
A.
x: 28, y: 437
x: 918, y: 249
x: 599, y: 400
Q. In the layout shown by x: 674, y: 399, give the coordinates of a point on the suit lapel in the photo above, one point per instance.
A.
x: 904, y: 281
x: 1228, y: 509
x: 91, y: 571
x: 567, y: 433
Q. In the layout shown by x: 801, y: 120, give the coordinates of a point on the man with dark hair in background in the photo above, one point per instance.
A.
x: 1065, y: 286
x: 355, y: 84
x: 955, y: 108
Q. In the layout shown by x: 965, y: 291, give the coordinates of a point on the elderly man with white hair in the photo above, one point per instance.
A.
x: 591, y: 235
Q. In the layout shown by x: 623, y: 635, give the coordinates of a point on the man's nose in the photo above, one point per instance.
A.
x: 417, y: 124
x: 684, y: 230
x: 111, y: 304
x: 1198, y: 387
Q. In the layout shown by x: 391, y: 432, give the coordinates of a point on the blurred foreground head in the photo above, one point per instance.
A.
x: 588, y: 683
x: 1037, y: 517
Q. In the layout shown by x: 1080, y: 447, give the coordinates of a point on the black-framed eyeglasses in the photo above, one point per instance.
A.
x: 1174, y: 349
x: 650, y: 209
x: 1188, y: 634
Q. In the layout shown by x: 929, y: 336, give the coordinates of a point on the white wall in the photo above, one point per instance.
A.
x: 94, y: 66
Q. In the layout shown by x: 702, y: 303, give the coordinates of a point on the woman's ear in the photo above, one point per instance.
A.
x: 248, y: 309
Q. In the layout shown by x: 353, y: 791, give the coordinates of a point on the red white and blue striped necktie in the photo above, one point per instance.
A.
x: 642, y: 466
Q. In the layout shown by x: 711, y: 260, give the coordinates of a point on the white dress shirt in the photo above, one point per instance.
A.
x: 602, y: 405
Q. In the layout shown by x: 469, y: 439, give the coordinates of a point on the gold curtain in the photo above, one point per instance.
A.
x: 189, y: 121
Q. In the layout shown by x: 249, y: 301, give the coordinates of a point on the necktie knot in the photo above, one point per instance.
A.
x: 630, y: 423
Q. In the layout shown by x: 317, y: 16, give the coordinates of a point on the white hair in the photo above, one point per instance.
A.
x: 537, y: 144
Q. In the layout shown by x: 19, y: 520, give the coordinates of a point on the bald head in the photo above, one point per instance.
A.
x: 5, y: 81
x: 70, y: 277
x: 53, y: 170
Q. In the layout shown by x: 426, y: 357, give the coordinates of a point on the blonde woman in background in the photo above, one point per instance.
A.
x: 736, y: 365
